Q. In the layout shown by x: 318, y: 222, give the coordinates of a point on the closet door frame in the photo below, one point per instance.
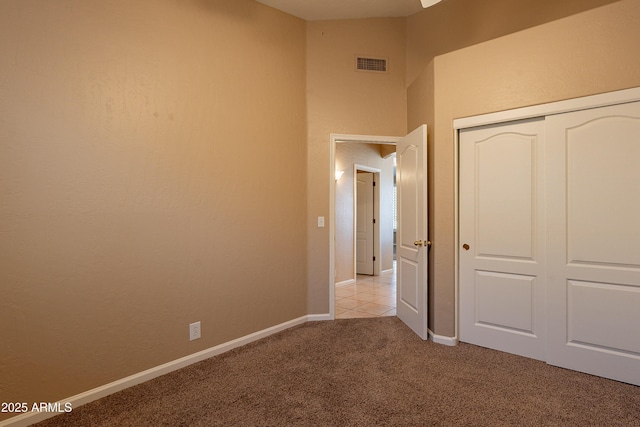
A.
x: 542, y: 110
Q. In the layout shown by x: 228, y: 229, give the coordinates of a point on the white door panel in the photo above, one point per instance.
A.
x: 621, y: 305
x: 411, y: 182
x: 502, y: 237
x: 593, y: 284
x: 603, y: 165
x: 504, y: 196
x: 364, y: 223
x: 408, y: 292
x: 504, y: 301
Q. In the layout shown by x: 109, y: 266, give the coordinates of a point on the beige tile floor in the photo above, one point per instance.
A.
x: 370, y: 296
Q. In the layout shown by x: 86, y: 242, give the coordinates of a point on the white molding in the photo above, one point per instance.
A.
x: 30, y: 418
x: 456, y: 235
x: 363, y: 168
x: 319, y: 317
x: 370, y: 139
x: 559, y: 107
x: 441, y: 339
x: 345, y: 283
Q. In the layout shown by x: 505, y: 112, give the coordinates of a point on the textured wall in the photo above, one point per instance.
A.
x: 455, y: 24
x: 341, y: 100
x: 152, y: 174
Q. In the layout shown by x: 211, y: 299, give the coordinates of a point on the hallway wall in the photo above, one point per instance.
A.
x: 345, y: 101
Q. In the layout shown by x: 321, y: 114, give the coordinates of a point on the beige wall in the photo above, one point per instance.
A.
x: 153, y: 157
x: 152, y: 174
x: 588, y: 53
x: 455, y: 24
x: 346, y: 156
x: 342, y: 100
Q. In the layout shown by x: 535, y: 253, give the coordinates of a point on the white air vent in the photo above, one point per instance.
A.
x: 378, y: 65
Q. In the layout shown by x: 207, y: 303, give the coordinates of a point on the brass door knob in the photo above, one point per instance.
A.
x: 466, y: 247
x: 418, y: 243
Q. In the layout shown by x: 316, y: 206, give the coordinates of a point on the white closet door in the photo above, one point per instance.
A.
x: 502, y: 237
x: 593, y: 290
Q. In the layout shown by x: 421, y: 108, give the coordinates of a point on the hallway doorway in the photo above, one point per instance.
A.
x: 369, y: 154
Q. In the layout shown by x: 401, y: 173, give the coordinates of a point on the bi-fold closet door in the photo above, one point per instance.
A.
x: 550, y: 239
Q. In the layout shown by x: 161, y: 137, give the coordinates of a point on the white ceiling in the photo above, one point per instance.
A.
x: 316, y: 10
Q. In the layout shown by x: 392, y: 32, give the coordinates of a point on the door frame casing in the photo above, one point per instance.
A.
x: 334, y: 140
x: 542, y: 110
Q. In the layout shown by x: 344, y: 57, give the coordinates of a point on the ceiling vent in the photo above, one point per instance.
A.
x: 377, y: 65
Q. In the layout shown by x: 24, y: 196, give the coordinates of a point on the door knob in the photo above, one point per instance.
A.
x: 418, y: 243
x: 465, y: 247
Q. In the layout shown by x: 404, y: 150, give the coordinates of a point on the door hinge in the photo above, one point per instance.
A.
x: 374, y: 183
x: 374, y: 220
x: 374, y: 258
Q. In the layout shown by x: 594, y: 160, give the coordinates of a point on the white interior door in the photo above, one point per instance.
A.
x: 502, y: 237
x: 411, y: 236
x: 593, y: 291
x: 364, y: 223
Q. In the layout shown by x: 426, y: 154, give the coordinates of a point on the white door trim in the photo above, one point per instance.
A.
x: 559, y: 107
x: 336, y: 138
x: 542, y: 110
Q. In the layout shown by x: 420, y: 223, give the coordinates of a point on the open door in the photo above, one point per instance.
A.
x: 412, y: 247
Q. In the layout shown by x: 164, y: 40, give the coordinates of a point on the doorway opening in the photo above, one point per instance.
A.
x: 343, y: 243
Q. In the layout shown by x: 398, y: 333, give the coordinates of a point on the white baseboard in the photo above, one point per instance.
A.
x: 318, y: 317
x: 29, y: 418
x: 441, y: 339
x: 345, y: 283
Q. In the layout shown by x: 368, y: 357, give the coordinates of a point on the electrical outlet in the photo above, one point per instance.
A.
x: 194, y: 331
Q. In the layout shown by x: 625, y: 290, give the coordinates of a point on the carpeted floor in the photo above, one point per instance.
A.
x: 364, y: 372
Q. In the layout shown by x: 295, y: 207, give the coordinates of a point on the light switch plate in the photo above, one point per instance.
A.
x: 320, y: 221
